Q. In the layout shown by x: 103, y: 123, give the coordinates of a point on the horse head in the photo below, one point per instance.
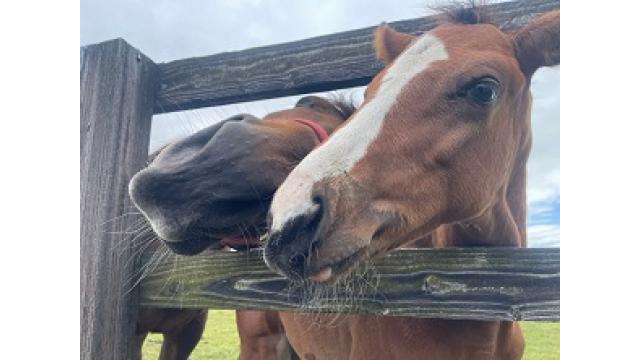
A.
x: 441, y: 138
x: 215, y: 186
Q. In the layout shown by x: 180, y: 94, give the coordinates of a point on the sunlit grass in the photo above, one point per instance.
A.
x: 219, y: 341
x: 542, y: 340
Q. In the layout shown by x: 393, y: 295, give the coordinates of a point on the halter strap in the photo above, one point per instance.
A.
x: 320, y: 132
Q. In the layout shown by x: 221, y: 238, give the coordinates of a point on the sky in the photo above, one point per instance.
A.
x: 168, y: 30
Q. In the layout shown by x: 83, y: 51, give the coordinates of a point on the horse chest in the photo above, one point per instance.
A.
x: 320, y: 337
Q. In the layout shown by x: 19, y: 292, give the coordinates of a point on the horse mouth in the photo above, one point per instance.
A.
x: 197, y: 246
x: 241, y: 242
x: 217, y: 240
x: 332, y: 272
x: 192, y: 246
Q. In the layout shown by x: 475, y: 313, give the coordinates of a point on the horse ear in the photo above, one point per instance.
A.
x: 318, y: 104
x: 538, y: 44
x: 390, y: 43
x: 315, y: 103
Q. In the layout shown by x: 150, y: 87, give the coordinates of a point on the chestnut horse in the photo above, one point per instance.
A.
x: 213, y: 189
x: 438, y: 147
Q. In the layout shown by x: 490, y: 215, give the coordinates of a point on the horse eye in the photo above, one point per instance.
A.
x: 484, y: 92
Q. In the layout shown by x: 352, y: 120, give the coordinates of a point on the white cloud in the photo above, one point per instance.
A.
x: 544, y: 162
x: 546, y: 235
x: 543, y: 186
x: 167, y: 30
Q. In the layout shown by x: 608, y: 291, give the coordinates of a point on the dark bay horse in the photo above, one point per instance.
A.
x: 213, y: 189
x: 438, y: 147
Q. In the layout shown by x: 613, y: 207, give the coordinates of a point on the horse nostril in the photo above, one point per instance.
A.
x: 289, y: 250
x: 313, y: 222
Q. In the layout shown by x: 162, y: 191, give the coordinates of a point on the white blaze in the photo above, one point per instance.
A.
x: 349, y: 144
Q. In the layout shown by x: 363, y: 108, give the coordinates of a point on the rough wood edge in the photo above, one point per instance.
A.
x: 189, y: 83
x: 473, y: 283
x: 118, y: 86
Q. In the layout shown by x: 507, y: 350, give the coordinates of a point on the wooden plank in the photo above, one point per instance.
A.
x: 335, y: 61
x: 118, y: 85
x: 470, y: 283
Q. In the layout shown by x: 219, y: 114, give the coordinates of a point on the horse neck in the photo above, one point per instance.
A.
x: 505, y: 222
x: 330, y: 124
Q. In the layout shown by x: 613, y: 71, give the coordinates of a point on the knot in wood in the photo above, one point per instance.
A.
x: 431, y: 282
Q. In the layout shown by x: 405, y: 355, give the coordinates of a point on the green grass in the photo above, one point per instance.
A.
x: 220, y: 340
x: 542, y: 340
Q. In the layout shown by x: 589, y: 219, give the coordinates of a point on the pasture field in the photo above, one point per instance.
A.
x: 220, y: 342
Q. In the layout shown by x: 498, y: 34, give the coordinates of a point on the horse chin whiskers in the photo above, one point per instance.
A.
x: 263, y: 238
x: 348, y: 291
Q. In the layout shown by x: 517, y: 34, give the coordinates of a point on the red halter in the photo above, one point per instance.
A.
x: 321, y: 133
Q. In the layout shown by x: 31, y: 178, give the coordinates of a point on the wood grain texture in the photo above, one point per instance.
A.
x: 470, y: 283
x: 323, y: 63
x: 117, y: 88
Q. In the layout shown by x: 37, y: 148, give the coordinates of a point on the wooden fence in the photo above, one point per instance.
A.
x: 461, y: 283
x: 121, y: 89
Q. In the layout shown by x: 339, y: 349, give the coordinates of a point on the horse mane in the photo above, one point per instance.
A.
x: 464, y: 12
x: 343, y: 103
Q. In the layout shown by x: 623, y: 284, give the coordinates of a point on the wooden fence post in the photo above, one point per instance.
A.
x: 118, y: 85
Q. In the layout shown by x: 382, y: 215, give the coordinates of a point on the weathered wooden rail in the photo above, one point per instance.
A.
x: 322, y: 63
x: 471, y: 283
x: 120, y: 91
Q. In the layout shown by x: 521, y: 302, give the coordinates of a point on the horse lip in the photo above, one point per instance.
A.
x: 240, y: 241
x: 338, y: 268
x: 321, y: 276
x: 191, y: 247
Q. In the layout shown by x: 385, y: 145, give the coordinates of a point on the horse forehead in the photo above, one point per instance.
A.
x: 353, y: 139
x: 286, y: 114
x: 462, y: 41
x: 349, y: 144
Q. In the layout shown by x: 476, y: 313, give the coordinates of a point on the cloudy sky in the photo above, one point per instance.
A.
x: 167, y: 30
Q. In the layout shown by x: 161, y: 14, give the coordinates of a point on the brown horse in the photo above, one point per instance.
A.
x: 181, y: 330
x: 439, y: 146
x: 260, y: 332
x: 213, y: 189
